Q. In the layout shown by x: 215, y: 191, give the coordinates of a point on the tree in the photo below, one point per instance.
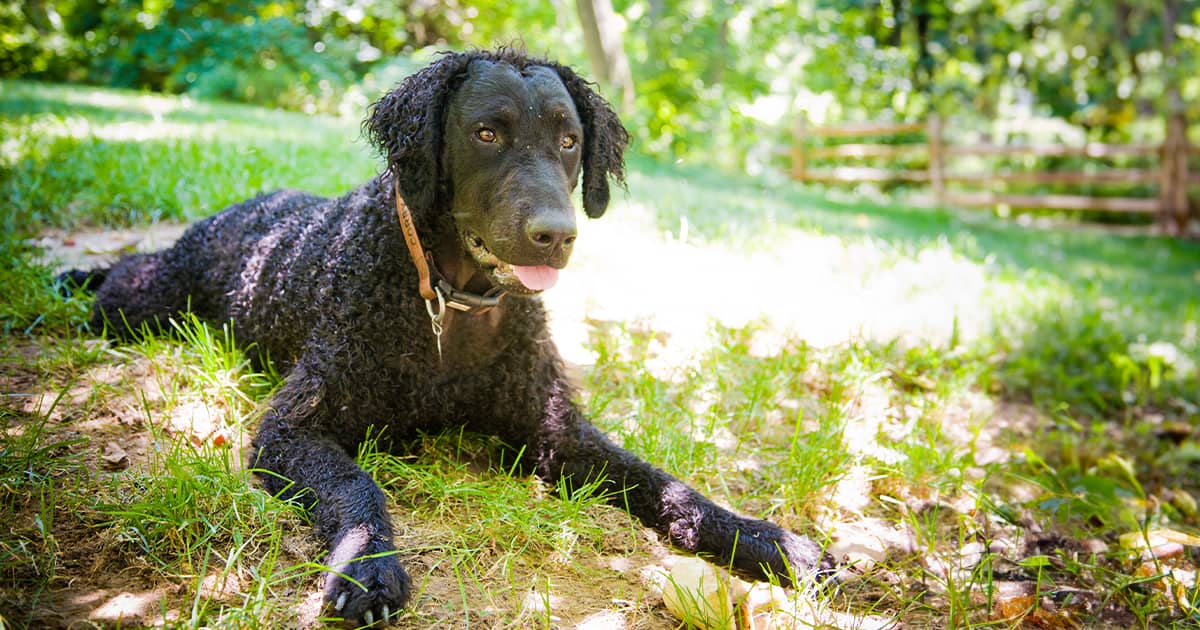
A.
x: 603, y: 39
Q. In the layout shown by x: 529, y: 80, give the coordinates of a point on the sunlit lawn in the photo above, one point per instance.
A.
x: 971, y: 412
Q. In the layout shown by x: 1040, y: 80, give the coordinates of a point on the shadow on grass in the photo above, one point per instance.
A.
x: 109, y: 157
x: 108, y: 105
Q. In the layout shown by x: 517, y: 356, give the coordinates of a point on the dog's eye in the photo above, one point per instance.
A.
x: 569, y: 142
x: 485, y: 134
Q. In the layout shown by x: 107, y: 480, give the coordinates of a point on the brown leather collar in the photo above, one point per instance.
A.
x: 430, y: 282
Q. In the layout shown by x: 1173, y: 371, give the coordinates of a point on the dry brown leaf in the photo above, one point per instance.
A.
x: 114, y: 456
x: 1029, y: 612
x: 1053, y: 619
x: 1012, y: 608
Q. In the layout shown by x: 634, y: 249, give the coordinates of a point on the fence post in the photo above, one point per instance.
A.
x: 799, y: 143
x: 937, y: 174
x: 1172, y: 190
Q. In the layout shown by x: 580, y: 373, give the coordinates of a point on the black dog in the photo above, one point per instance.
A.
x: 484, y: 149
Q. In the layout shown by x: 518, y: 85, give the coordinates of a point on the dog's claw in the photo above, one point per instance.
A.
x: 341, y: 602
x: 370, y: 618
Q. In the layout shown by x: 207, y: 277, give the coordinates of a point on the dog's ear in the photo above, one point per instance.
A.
x: 604, y: 141
x: 406, y: 127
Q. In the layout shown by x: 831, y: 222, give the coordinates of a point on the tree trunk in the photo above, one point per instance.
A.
x: 602, y: 38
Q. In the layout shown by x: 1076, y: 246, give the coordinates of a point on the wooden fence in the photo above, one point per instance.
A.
x: 1171, y: 178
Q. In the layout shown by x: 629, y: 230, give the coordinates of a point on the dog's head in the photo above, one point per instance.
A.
x: 498, y: 141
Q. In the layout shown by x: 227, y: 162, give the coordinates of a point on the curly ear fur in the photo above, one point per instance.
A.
x: 407, y: 125
x: 604, y: 141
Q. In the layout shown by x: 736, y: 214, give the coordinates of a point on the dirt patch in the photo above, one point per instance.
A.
x: 88, y: 248
x: 97, y: 581
x: 75, y: 573
x: 76, y: 570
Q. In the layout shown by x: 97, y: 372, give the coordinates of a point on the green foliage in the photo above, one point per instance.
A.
x: 249, y: 51
x: 222, y: 365
x: 33, y: 41
x: 1082, y: 359
x: 440, y: 484
x: 725, y: 402
x: 716, y: 82
x: 689, y: 103
x: 1103, y: 496
x: 913, y: 57
x: 291, y: 54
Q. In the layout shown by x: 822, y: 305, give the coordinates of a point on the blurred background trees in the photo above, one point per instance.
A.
x: 714, y: 80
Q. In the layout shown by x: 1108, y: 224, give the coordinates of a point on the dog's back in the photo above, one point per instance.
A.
x: 255, y: 262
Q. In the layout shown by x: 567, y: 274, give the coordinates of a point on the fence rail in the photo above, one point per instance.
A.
x: 1170, y: 180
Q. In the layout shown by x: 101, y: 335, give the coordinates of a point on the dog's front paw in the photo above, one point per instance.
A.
x: 383, y: 592
x: 369, y: 589
x: 803, y: 557
x: 765, y: 550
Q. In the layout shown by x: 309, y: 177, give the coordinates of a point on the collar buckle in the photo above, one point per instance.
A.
x: 468, y: 302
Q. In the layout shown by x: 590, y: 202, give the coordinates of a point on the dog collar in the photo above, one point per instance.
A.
x: 430, y: 280
x: 437, y: 292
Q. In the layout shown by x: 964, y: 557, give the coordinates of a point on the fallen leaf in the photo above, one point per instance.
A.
x: 539, y: 604
x: 1012, y: 608
x: 1158, y: 537
x: 114, y: 456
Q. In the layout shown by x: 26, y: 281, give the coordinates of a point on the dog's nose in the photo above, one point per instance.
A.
x: 551, y: 230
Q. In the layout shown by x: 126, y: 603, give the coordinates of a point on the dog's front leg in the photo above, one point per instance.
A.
x: 367, y: 584
x: 568, y: 448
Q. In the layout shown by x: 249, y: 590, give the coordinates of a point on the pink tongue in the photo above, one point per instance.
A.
x: 537, y: 278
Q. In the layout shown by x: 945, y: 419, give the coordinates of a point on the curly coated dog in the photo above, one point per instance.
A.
x: 411, y: 303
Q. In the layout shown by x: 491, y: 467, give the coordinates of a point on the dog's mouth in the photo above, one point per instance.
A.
x: 521, y: 280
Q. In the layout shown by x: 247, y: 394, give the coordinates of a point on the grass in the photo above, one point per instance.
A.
x: 67, y: 155
x: 983, y: 418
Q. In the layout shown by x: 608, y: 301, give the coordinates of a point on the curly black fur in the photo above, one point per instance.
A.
x: 326, y: 288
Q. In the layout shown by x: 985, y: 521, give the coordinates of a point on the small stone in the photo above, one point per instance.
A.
x: 698, y: 596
